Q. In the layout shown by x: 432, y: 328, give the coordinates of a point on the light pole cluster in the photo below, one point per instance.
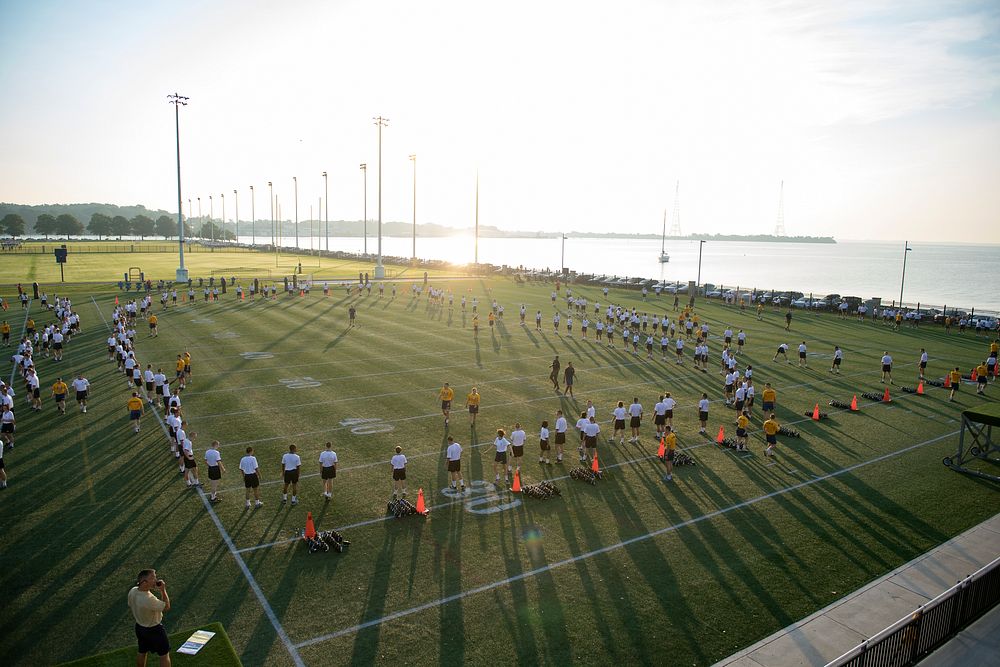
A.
x: 275, y: 209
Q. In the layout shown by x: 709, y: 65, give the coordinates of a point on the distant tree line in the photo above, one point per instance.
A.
x: 107, y: 226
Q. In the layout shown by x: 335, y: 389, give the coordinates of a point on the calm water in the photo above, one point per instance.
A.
x: 964, y: 276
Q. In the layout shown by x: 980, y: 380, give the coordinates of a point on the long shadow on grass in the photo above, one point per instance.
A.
x: 366, y: 641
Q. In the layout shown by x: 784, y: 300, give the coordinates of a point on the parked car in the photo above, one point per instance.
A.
x: 804, y: 302
x: 714, y: 294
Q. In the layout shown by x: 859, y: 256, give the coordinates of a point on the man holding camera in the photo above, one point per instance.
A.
x: 148, y: 612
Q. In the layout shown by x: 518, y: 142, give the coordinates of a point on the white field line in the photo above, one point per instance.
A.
x: 268, y: 610
x: 334, y: 429
x: 380, y: 519
x: 24, y: 327
x: 609, y: 548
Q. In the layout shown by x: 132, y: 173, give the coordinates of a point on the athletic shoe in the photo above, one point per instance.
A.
x: 295, y: 501
x: 259, y: 503
x: 248, y: 504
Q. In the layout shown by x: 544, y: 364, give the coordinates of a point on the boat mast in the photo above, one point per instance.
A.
x: 663, y: 241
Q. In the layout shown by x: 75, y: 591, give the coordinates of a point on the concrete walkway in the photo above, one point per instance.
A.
x: 831, y: 632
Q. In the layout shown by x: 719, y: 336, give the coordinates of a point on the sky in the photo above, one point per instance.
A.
x: 882, y: 118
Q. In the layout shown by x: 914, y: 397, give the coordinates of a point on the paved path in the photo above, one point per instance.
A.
x: 831, y: 632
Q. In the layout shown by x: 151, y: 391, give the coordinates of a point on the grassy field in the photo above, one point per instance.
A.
x: 116, y: 257
x: 632, y: 570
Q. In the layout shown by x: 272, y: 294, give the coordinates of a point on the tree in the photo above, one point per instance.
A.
x: 166, y: 226
x: 99, y: 224
x: 206, y: 231
x: 120, y: 226
x: 12, y: 224
x: 45, y: 224
x: 143, y: 226
x: 68, y: 225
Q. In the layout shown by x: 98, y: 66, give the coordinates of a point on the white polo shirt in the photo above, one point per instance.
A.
x: 248, y: 464
x: 291, y: 461
x: 398, y: 462
x: 212, y: 457
x: 328, y: 458
x: 518, y: 437
x: 454, y: 452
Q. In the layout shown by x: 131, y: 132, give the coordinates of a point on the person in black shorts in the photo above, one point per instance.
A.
x: 147, y: 610
x: 788, y: 320
x: 568, y: 376
x: 554, y: 375
x: 352, y: 313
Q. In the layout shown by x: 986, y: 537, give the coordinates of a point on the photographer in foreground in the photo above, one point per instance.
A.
x: 148, y: 612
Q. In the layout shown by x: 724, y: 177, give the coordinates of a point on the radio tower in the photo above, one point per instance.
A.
x: 675, y: 224
x: 779, y: 228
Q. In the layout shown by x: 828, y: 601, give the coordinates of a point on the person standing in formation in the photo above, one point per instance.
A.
x: 213, y: 460
x: 454, y: 455
x: 291, y: 464
x: 251, y: 477
x: 328, y: 469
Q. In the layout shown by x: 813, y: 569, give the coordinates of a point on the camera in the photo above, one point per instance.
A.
x: 159, y: 583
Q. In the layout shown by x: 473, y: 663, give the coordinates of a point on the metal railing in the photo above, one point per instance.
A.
x: 913, y: 637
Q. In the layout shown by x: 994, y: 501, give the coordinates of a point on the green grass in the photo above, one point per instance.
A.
x: 89, y: 504
x: 91, y: 261
x: 218, y: 652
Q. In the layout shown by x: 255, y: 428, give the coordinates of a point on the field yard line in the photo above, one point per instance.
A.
x: 494, y: 405
x: 24, y: 327
x: 268, y: 611
x: 611, y: 547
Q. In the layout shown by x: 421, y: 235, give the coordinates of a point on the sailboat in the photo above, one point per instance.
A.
x: 664, y: 255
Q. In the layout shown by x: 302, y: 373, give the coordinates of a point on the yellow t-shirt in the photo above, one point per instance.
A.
x: 135, y: 403
x: 152, y: 319
x: 5, y: 328
x: 30, y: 324
x: 447, y: 393
x: 146, y: 607
x: 670, y: 441
x: 769, y: 395
x: 742, y: 421
x: 473, y: 399
x: 956, y: 377
x: 982, y: 371
x: 180, y: 364
x: 771, y: 427
x: 187, y: 359
x: 994, y: 347
x: 59, y: 388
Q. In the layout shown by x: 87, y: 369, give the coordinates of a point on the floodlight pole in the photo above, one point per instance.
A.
x: 326, y: 215
x: 181, y: 275
x: 475, y: 256
x: 236, y: 197
x: 562, y: 260
x: 380, y: 122
x: 295, y: 180
x: 223, y: 196
x: 253, y: 220
x: 270, y: 190
x: 700, y: 244
x: 906, y: 249
x: 211, y: 217
x: 413, y: 159
x: 364, y: 173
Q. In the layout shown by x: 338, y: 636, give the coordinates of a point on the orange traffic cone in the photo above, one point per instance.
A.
x: 975, y: 375
x: 885, y: 397
x: 302, y: 292
x: 310, y: 527
x: 516, y: 488
x: 920, y: 388
x: 595, y: 466
x: 662, y: 451
x: 816, y: 412
x: 243, y: 297
x: 854, y: 403
x: 421, y: 507
x: 947, y: 380
x: 719, y: 439
x: 996, y: 370
x: 116, y: 300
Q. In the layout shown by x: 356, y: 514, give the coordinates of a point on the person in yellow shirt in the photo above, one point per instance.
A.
x: 179, y: 371
x: 492, y: 319
x: 769, y: 398
x: 29, y: 327
x: 771, y: 427
x: 994, y: 346
x: 5, y: 331
x: 135, y: 409
x: 152, y: 326
x: 475, y: 325
x: 447, y: 394
x: 670, y: 450
x: 956, y: 379
x: 983, y: 376
x: 760, y: 312
x: 741, y: 431
x: 187, y: 368
x: 472, y: 402
x: 59, y: 391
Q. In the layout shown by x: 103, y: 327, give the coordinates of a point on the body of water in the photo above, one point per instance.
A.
x: 938, y: 274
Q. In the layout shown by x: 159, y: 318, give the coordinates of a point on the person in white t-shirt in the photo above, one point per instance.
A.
x: 398, y: 464
x: 802, y: 355
x: 291, y: 464
x: 619, y: 430
x: 500, y: 459
x: 703, y: 413
x: 213, y: 460
x: 668, y: 409
x: 782, y: 352
x: 591, y: 430
x: 543, y: 442
x: 328, y: 469
x: 190, y: 463
x: 635, y: 421
x: 886, y: 367
x: 82, y: 387
x: 561, y: 427
x: 660, y: 416
x: 517, y: 440
x: 454, y: 455
x: 251, y: 477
